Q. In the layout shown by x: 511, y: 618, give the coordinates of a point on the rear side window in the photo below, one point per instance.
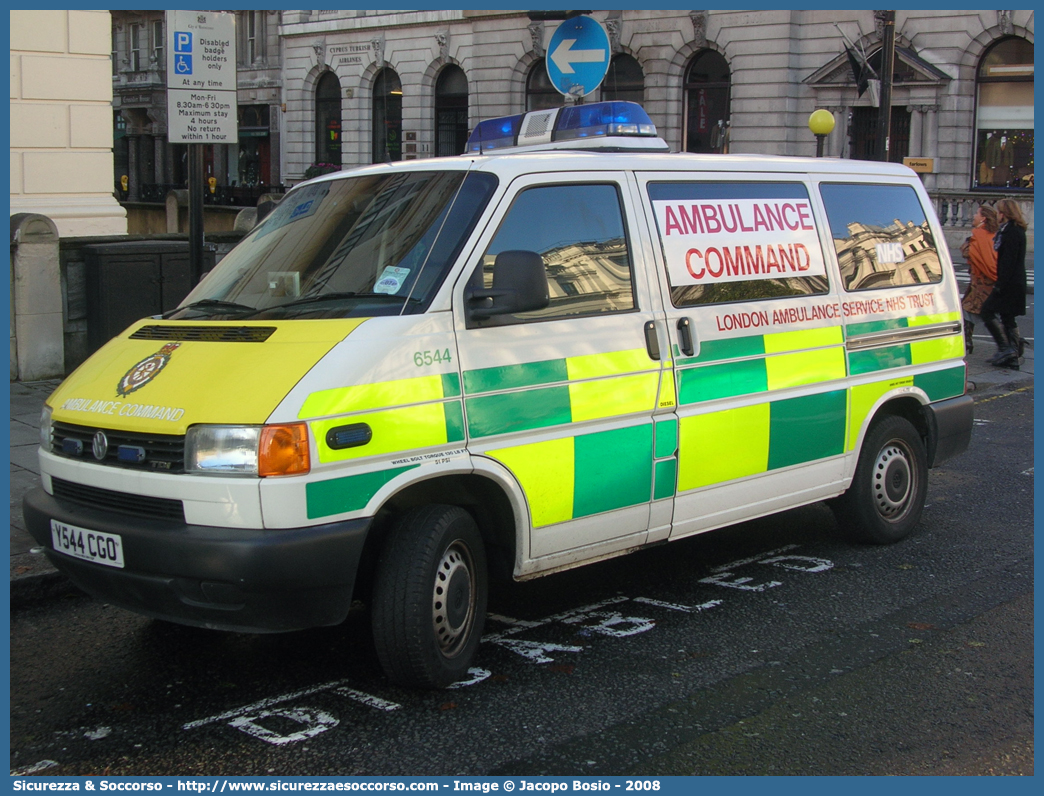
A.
x: 726, y: 242
x: 579, y: 232
x: 881, y: 236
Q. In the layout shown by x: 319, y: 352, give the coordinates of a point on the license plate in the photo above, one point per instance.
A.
x: 101, y: 548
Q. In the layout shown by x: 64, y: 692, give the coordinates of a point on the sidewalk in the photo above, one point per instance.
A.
x: 33, y: 577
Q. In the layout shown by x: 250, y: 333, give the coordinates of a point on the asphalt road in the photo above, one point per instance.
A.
x: 773, y: 647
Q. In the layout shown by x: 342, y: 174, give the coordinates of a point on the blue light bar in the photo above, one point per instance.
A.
x: 597, y: 120
x: 495, y: 133
x: 603, y: 118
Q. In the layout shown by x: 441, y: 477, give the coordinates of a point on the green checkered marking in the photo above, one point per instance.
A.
x: 666, y: 479
x: 941, y: 384
x: 504, y: 413
x: 350, y: 493
x: 450, y: 385
x: 454, y: 421
x: 612, y: 469
x: 893, y: 356
x: 856, y: 329
x: 722, y: 381
x: 733, y: 348
x: 807, y: 428
x: 510, y: 377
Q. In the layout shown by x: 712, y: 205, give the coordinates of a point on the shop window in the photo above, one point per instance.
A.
x: 254, y: 167
x: 881, y: 236
x: 707, y: 97
x: 624, y: 80
x: 328, y: 120
x: 541, y: 94
x: 387, y: 117
x: 579, y: 232
x: 1004, y: 117
x: 451, y: 111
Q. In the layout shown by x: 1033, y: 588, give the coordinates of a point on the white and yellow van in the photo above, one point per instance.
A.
x: 565, y: 345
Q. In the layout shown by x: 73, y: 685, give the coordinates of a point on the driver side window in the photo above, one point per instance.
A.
x: 579, y: 232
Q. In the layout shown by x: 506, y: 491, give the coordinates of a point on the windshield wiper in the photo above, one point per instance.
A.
x: 336, y: 297
x: 212, y: 304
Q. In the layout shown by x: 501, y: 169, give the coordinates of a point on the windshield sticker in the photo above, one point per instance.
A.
x: 146, y: 370
x: 391, y: 280
x: 708, y: 242
x: 299, y: 204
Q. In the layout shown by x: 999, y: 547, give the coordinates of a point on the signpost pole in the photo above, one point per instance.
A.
x: 195, y: 210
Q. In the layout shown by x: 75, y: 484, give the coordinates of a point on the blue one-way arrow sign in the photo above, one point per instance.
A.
x: 578, y: 56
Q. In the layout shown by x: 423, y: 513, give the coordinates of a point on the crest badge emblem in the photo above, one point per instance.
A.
x: 146, y: 370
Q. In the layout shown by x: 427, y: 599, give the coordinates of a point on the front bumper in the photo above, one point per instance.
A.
x: 225, y: 578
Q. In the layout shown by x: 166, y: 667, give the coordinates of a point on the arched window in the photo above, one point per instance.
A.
x: 624, y: 80
x: 1004, y: 116
x: 328, y: 119
x: 707, y: 103
x: 540, y: 92
x: 451, y: 111
x: 387, y: 117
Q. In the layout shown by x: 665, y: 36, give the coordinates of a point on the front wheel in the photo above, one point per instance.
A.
x: 887, y: 494
x: 429, y: 597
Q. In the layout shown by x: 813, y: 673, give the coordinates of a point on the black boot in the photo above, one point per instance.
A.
x: 1005, y: 352
x: 969, y: 329
x: 1015, y: 340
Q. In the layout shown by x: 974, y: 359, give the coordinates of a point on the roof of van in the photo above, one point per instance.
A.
x: 512, y: 163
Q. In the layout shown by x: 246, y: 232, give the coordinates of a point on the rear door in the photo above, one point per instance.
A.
x: 757, y: 344
x: 564, y: 397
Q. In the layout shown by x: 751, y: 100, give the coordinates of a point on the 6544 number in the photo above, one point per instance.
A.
x: 422, y: 358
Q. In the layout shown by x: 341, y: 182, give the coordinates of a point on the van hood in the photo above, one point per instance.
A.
x: 163, y: 376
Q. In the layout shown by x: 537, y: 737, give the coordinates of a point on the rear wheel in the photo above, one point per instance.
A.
x: 429, y: 597
x: 887, y: 494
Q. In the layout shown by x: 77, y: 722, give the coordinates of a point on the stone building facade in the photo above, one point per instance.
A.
x: 737, y: 81
x: 61, y: 121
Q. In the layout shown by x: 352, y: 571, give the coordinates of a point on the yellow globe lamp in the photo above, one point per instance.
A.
x: 821, y: 123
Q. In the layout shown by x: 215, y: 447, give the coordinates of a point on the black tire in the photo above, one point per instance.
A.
x: 429, y: 597
x: 884, y: 502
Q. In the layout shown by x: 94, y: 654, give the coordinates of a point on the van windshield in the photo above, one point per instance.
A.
x: 368, y: 245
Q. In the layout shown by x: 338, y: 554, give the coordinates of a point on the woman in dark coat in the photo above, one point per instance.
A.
x: 1008, y: 298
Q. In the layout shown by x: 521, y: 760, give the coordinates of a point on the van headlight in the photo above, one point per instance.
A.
x: 248, y: 450
x: 46, y: 429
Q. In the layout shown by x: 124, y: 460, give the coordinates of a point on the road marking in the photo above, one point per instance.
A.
x: 1005, y: 395
x: 688, y: 609
x: 262, y: 704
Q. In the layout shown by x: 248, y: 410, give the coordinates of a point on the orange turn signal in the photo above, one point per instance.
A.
x: 283, y: 450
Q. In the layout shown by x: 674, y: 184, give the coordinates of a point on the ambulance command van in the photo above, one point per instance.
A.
x: 565, y: 345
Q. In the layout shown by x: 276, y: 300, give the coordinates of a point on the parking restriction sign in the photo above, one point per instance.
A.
x: 201, y: 77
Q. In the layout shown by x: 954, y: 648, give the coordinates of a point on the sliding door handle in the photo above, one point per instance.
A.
x: 652, y: 343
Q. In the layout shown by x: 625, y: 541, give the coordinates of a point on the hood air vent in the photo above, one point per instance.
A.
x: 205, y: 334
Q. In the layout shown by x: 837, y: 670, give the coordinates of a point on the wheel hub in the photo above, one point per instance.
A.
x: 453, y: 600
x: 893, y: 482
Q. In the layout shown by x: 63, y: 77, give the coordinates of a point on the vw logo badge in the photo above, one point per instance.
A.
x: 100, y: 445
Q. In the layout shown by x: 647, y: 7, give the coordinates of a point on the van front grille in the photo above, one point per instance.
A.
x: 155, y: 452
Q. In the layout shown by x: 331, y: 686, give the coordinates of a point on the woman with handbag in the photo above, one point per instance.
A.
x: 982, y: 264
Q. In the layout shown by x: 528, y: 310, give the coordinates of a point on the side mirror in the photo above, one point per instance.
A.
x: 519, y: 285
